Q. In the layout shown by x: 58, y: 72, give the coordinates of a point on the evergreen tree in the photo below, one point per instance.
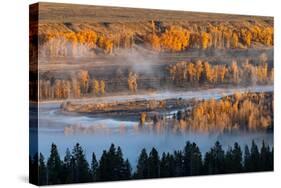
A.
x: 178, y: 163
x: 142, y: 166
x: 215, y: 160
x: 54, y: 166
x: 42, y: 170
x: 237, y: 158
x: 67, y: 167
x: 126, y: 170
x: 112, y: 165
x: 233, y: 159
x: 81, y: 166
x: 94, y: 167
x: 164, y: 166
x: 247, y: 159
x: 192, y: 159
x: 266, y: 158
x: 104, y: 168
x: 255, y: 156
x: 153, y: 164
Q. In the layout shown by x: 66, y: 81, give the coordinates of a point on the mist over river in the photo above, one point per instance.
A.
x: 96, y: 133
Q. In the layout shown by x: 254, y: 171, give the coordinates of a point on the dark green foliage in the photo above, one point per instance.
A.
x: 215, y: 160
x: 81, y: 166
x: 178, y: 156
x: 167, y: 165
x: 94, y: 167
x: 142, y: 166
x: 112, y: 166
x: 67, y: 168
x: 233, y: 159
x: 153, y: 164
x: 54, y: 167
x: 192, y: 160
x: 42, y: 170
x: 247, y: 159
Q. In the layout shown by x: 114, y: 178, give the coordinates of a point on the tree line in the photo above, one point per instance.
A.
x: 79, y: 85
x: 181, y: 74
x: 178, y: 38
x: 240, y: 112
x: 198, y: 72
x: 74, y: 168
x: 87, y: 42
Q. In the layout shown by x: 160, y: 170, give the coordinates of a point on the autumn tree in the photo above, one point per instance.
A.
x: 95, y: 87
x: 132, y: 82
x: 175, y: 39
x: 102, y: 87
x: 205, y: 40
x: 83, y: 77
x: 235, y: 40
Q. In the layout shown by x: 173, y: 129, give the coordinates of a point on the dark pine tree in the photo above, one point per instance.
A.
x: 255, y: 158
x: 215, y: 160
x: 104, y: 169
x: 247, y: 159
x: 178, y: 163
x: 233, y: 159
x: 67, y: 168
x: 54, y: 167
x: 81, y: 166
x: 112, y: 165
x: 153, y: 164
x: 126, y: 171
x: 164, y: 166
x: 42, y: 170
x: 192, y: 160
x: 266, y: 158
x: 94, y: 167
x: 142, y: 166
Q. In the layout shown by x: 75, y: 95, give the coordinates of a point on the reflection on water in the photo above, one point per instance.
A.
x: 97, y: 133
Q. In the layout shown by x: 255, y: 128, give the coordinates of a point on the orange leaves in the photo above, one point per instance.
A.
x: 98, y: 87
x: 235, y: 40
x: 174, y: 39
x: 246, y: 36
x: 177, y: 39
x: 132, y: 82
x: 83, y: 77
x: 106, y: 44
x: 76, y: 43
x: 248, y: 111
x: 183, y: 73
x: 205, y: 40
x: 155, y: 42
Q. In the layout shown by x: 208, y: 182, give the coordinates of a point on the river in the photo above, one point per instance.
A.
x: 97, y: 133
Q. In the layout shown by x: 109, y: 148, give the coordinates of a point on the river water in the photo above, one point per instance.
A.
x: 95, y: 134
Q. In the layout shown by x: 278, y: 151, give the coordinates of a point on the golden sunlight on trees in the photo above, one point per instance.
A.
x: 102, y: 87
x: 205, y: 40
x: 95, y: 87
x: 234, y: 72
x: 175, y: 39
x: 191, y: 73
x: 83, y: 77
x: 106, y: 44
x: 238, y: 112
x: 155, y: 42
x: 235, y: 40
x: 132, y: 82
